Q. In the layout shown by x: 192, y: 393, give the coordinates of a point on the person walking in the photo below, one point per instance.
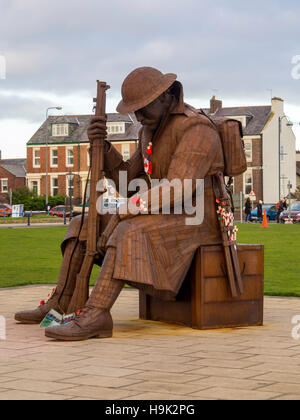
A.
x: 259, y: 211
x: 247, y: 210
x: 280, y: 209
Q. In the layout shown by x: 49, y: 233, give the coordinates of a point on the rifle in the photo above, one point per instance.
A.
x: 81, y: 293
x: 229, y: 244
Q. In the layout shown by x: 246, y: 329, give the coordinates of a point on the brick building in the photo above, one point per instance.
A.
x: 261, y: 133
x: 65, y: 138
x: 12, y: 175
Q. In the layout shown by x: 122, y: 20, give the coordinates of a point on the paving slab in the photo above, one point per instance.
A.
x: 150, y: 360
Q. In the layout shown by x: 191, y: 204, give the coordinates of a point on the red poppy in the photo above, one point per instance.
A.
x: 148, y: 166
x: 149, y: 149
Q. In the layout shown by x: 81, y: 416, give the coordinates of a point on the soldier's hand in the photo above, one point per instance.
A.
x: 97, y: 129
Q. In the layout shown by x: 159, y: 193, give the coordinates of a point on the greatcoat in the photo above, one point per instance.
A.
x: 154, y: 251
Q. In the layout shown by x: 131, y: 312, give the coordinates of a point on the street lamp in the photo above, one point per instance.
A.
x: 71, y: 192
x: 59, y: 108
x: 289, y: 124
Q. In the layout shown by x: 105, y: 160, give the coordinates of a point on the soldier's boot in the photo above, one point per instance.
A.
x: 95, y: 319
x: 62, y: 294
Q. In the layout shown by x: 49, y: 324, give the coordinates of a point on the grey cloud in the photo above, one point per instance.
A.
x: 240, y: 49
x: 15, y: 107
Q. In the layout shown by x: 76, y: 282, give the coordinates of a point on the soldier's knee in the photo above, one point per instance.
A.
x: 75, y: 223
x: 75, y: 230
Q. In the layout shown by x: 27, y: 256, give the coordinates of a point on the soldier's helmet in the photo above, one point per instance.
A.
x: 142, y: 86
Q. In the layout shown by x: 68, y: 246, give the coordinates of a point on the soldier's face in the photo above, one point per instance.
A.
x: 152, y: 114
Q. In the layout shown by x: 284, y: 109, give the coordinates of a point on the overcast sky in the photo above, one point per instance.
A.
x: 55, y: 51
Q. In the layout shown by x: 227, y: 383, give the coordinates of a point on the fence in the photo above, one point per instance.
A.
x: 28, y: 215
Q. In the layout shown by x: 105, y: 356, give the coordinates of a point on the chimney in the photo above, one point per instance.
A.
x: 277, y: 106
x: 0, y: 155
x: 215, y: 104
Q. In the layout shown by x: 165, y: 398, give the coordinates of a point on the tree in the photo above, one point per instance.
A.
x: 31, y: 201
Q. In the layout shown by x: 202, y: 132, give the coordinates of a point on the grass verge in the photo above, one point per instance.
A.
x: 32, y: 256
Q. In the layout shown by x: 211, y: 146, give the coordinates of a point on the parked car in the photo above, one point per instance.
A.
x: 59, y: 211
x: 270, y: 210
x: 295, y: 213
x: 77, y: 210
x: 5, y: 210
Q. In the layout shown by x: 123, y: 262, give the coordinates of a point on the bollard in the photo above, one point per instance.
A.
x: 28, y: 223
x: 65, y: 218
x: 39, y: 215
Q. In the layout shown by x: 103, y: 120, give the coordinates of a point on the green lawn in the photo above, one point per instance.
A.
x: 282, y: 251
x: 32, y: 256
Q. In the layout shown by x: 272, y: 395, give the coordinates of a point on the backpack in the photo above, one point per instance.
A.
x: 231, y: 133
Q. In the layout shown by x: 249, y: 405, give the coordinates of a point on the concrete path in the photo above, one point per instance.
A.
x: 147, y: 360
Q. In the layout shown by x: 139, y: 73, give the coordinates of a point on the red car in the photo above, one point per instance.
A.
x: 5, y: 210
x: 59, y: 211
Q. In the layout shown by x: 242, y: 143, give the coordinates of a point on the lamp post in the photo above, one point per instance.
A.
x: 289, y: 124
x: 59, y: 108
x: 71, y: 191
x: 289, y: 189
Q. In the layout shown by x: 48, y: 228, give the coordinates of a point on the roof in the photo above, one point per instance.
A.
x: 18, y: 170
x: 13, y: 161
x: 258, y: 117
x: 79, y: 126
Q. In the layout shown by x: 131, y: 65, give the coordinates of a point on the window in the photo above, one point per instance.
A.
x: 248, y: 150
x: 54, y: 157
x: 60, y: 130
x: 4, y: 185
x: 70, y: 185
x: 36, y: 158
x: 54, y: 187
x: 248, y: 182
x: 295, y: 206
x: 35, y: 187
x: 116, y: 128
x: 70, y: 157
x: 126, y: 151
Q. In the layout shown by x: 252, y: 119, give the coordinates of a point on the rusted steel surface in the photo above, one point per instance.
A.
x: 205, y: 300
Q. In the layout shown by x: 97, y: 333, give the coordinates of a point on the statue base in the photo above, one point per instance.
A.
x: 205, y: 301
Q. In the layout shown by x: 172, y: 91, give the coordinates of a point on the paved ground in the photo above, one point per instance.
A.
x: 147, y: 360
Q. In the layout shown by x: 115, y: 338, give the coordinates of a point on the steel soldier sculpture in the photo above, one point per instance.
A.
x: 152, y: 252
